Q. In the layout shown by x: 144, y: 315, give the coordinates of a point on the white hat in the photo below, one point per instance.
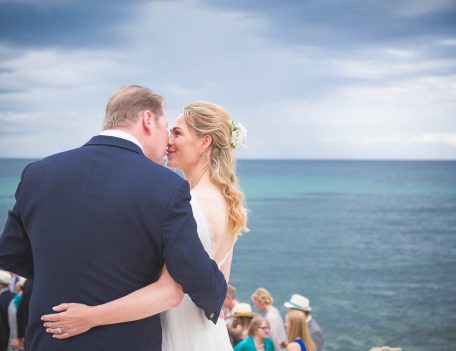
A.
x: 299, y: 302
x: 5, y: 277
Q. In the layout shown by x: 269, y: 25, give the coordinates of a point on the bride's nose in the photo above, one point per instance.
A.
x: 171, y: 138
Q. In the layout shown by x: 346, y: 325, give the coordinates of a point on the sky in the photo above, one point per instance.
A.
x: 316, y: 79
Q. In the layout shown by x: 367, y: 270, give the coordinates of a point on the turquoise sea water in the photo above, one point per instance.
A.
x: 372, y: 244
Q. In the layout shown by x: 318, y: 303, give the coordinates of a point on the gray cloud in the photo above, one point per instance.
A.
x: 65, y: 23
x: 309, y: 80
x: 350, y: 23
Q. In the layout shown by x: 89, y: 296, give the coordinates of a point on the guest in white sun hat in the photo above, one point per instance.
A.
x: 301, y: 303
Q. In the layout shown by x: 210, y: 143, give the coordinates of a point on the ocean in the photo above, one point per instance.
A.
x: 372, y: 244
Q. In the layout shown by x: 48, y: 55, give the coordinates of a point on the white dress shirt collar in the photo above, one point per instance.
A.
x: 121, y: 134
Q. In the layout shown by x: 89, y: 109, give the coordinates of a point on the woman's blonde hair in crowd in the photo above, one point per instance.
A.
x: 262, y: 296
x: 206, y: 118
x: 299, y: 329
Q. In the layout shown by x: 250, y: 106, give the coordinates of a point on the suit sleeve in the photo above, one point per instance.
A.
x: 187, y: 261
x: 15, y: 249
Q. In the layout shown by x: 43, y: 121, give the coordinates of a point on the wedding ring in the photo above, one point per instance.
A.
x: 60, y: 330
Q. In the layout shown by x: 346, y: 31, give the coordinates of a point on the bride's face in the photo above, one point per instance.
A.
x: 183, y: 146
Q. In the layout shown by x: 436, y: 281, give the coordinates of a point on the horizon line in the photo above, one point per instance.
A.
x: 297, y: 159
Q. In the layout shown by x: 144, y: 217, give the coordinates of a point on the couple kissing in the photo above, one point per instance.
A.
x: 124, y: 253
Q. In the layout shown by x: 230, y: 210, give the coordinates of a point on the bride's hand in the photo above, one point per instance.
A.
x: 71, y: 319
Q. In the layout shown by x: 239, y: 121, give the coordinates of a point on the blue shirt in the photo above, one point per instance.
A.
x: 301, y: 344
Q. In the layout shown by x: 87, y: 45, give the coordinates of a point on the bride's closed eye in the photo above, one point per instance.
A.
x: 175, y: 132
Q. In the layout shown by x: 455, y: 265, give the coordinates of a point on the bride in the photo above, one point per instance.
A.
x: 201, y: 145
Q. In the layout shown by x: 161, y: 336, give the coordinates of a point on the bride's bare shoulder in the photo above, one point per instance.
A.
x: 212, y: 202
x: 215, y: 209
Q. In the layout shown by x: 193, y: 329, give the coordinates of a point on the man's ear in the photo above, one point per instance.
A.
x: 147, y: 119
x: 207, y: 141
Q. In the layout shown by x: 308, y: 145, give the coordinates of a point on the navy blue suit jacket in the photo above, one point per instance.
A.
x: 96, y: 223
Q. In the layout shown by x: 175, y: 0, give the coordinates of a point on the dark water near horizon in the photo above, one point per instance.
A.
x: 372, y: 244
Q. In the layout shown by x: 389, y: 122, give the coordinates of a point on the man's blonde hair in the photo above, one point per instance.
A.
x: 126, y: 104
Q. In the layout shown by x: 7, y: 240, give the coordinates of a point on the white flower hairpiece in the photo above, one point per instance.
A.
x: 238, y: 135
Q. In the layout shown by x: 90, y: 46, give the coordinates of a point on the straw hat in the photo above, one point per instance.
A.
x: 299, y: 302
x: 243, y: 310
x: 5, y: 277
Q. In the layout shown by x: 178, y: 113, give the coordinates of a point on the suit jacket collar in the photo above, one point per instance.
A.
x: 114, y: 141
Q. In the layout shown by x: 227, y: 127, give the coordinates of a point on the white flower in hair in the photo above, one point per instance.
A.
x: 238, y: 135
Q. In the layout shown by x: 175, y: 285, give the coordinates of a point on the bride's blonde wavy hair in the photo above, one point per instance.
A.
x: 206, y: 118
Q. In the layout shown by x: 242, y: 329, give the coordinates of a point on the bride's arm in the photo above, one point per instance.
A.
x: 74, y: 319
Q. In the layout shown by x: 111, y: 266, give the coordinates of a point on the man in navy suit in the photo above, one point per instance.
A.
x: 96, y: 223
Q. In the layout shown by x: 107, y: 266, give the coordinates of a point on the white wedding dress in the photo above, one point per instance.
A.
x: 185, y: 327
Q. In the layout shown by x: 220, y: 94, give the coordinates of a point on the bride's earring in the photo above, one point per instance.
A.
x: 200, y: 155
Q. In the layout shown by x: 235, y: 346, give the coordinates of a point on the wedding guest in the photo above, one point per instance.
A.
x: 258, y: 339
x: 299, y: 338
x: 23, y: 315
x: 228, y: 305
x: 263, y: 301
x: 302, y: 304
x: 230, y: 302
x: 12, y: 314
x: 12, y: 322
x: 242, y: 317
x: 6, y: 296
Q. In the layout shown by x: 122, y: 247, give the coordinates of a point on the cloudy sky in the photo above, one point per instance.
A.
x: 318, y: 79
